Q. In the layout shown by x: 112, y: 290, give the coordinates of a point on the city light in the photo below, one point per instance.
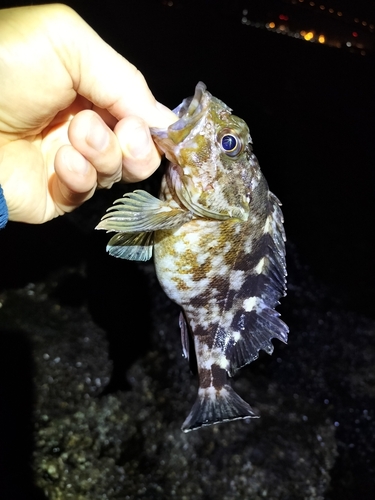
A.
x: 333, y: 23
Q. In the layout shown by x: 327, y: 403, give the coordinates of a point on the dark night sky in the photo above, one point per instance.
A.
x: 310, y: 109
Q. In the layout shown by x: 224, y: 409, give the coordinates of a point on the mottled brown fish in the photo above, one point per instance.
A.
x: 218, y: 241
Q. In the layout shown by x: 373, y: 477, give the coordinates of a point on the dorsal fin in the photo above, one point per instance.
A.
x: 255, y: 321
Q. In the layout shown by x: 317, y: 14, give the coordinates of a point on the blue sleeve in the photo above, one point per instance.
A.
x: 3, y: 209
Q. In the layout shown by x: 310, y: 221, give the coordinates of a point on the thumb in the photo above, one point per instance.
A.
x: 101, y: 74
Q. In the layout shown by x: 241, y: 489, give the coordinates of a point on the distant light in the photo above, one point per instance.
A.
x: 371, y: 26
x: 364, y: 23
x: 339, y: 13
x: 243, y: 20
x: 363, y: 52
x: 244, y: 12
x: 331, y: 11
x: 170, y: 3
x: 282, y: 27
x: 300, y: 1
x: 302, y: 33
x: 283, y: 17
x: 355, y: 34
x: 272, y: 25
x: 312, y: 4
x: 322, y: 7
x: 356, y: 20
x: 321, y: 39
x: 348, y: 44
x: 309, y: 36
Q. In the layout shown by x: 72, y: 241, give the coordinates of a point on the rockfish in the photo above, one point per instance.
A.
x: 219, y: 248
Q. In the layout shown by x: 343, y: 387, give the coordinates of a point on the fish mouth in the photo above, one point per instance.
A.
x: 191, y: 108
x: 189, y: 112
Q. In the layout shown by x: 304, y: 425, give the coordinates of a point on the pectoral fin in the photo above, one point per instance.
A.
x: 139, y: 211
x: 131, y: 246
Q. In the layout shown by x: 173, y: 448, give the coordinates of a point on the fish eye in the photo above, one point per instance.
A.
x: 230, y: 143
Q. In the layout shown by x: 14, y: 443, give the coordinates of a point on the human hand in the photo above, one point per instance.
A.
x: 74, y: 114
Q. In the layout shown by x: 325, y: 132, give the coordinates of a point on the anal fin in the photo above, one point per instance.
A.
x: 187, y: 343
x: 184, y: 336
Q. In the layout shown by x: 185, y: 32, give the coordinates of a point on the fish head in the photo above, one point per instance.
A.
x: 210, y: 150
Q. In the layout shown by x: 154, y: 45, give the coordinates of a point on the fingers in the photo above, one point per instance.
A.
x: 96, y: 142
x: 98, y: 157
x: 140, y: 158
x: 75, y: 180
x: 127, y: 153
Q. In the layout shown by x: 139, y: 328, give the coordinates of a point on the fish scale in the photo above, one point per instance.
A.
x: 218, y: 241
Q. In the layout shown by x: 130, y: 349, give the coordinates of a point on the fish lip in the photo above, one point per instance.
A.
x: 189, y: 112
x: 190, y: 107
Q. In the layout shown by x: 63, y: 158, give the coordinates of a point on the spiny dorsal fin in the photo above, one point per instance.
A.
x: 255, y: 322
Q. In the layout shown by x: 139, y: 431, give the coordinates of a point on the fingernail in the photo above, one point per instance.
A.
x: 139, y: 143
x: 77, y: 164
x: 97, y: 136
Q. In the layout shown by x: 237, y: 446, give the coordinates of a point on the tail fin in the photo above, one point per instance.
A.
x: 214, y: 406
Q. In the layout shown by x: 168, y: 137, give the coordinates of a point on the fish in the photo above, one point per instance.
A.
x: 217, y: 236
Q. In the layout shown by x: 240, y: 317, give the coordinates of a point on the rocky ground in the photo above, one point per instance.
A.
x: 94, y: 394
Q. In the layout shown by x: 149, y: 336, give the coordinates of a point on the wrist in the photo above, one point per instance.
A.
x: 3, y: 210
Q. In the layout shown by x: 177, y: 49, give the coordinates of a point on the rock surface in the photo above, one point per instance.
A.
x: 106, y: 424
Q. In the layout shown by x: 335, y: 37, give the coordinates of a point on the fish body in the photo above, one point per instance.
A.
x: 218, y: 241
